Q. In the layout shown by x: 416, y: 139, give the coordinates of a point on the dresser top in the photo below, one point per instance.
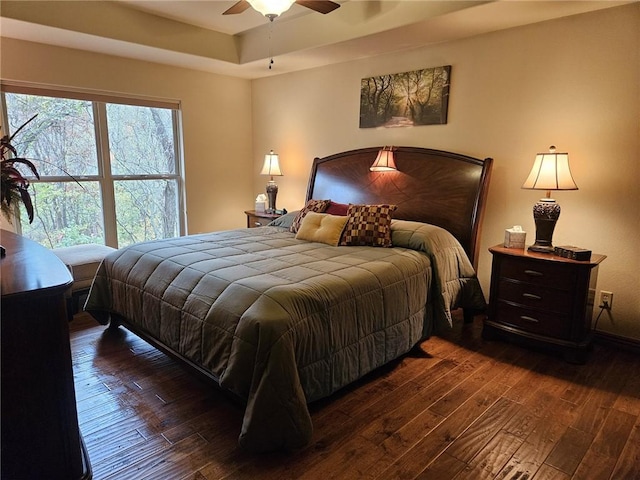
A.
x: 30, y: 268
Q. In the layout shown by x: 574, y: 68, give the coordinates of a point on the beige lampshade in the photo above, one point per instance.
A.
x: 550, y: 172
x: 271, y: 165
x: 385, y: 161
x: 271, y: 8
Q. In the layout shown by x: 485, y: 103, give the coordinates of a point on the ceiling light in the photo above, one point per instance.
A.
x: 271, y: 8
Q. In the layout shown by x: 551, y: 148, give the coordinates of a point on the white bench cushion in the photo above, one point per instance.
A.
x: 83, y: 262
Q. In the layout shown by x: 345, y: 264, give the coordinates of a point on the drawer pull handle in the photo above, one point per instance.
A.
x: 529, y: 319
x: 257, y: 224
x: 533, y: 273
x: 531, y: 296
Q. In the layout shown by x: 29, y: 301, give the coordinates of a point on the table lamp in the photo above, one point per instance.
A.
x: 550, y: 172
x: 271, y: 167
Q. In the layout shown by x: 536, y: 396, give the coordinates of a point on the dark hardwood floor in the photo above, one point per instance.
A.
x: 457, y: 408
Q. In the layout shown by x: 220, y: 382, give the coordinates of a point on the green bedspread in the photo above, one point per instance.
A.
x: 282, y: 322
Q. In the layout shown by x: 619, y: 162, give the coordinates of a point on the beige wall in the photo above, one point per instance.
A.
x: 216, y: 113
x: 573, y: 82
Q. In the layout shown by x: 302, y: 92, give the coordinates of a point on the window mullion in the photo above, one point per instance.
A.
x: 104, y: 168
x: 178, y: 153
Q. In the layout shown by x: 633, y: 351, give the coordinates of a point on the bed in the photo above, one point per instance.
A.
x: 280, y: 321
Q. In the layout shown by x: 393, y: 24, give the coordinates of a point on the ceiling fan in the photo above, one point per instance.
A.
x: 272, y: 8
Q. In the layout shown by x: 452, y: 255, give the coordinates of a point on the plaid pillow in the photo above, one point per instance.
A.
x: 368, y: 225
x: 318, y: 206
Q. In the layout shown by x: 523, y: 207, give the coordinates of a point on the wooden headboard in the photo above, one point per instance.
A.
x: 431, y: 186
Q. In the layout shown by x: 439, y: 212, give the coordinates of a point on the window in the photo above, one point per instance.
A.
x: 109, y: 170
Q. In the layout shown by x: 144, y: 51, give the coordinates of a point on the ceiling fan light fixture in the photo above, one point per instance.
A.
x: 271, y: 8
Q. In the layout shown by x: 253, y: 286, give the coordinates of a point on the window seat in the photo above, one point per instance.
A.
x: 83, y: 262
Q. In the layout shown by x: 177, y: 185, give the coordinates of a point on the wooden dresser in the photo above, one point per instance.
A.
x: 40, y: 434
x: 542, y: 299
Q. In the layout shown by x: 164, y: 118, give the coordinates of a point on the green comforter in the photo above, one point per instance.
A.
x: 282, y: 322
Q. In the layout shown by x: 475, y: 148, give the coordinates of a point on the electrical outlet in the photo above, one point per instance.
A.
x: 606, y: 299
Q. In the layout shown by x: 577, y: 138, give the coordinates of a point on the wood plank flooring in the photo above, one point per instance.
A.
x: 456, y: 408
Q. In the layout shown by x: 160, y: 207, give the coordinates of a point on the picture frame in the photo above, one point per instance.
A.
x: 419, y: 97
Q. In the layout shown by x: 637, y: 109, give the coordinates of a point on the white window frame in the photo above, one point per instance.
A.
x: 106, y: 180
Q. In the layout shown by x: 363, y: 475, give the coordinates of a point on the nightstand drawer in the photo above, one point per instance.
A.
x: 259, y: 219
x: 536, y: 296
x: 255, y: 221
x: 538, y: 273
x: 546, y: 323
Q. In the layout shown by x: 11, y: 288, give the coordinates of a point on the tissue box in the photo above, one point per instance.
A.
x: 260, y: 207
x: 514, y: 238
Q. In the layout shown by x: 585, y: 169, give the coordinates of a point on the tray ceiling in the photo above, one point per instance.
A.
x: 195, y: 34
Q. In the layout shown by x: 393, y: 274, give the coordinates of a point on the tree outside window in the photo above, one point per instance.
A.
x: 109, y: 172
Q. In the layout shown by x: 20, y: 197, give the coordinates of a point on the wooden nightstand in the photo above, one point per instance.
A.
x: 259, y: 219
x: 542, y: 300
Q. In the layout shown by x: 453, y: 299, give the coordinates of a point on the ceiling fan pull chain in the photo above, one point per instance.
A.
x: 270, y: 53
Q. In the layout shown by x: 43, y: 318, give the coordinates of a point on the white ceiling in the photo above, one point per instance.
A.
x: 195, y: 34
x: 208, y: 13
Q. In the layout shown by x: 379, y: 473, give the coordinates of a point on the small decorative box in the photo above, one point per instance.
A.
x: 514, y: 237
x: 573, y: 252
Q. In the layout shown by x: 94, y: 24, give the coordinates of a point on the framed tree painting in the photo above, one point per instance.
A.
x: 420, y: 97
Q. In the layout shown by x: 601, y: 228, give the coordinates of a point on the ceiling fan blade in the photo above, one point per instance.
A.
x: 239, y: 7
x: 321, y: 6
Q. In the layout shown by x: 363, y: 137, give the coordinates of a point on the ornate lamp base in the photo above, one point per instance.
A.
x: 545, y: 216
x: 272, y: 193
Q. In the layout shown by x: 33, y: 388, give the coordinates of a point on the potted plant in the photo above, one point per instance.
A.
x: 15, y: 186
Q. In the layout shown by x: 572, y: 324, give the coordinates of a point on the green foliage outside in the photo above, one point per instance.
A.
x: 70, y: 197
